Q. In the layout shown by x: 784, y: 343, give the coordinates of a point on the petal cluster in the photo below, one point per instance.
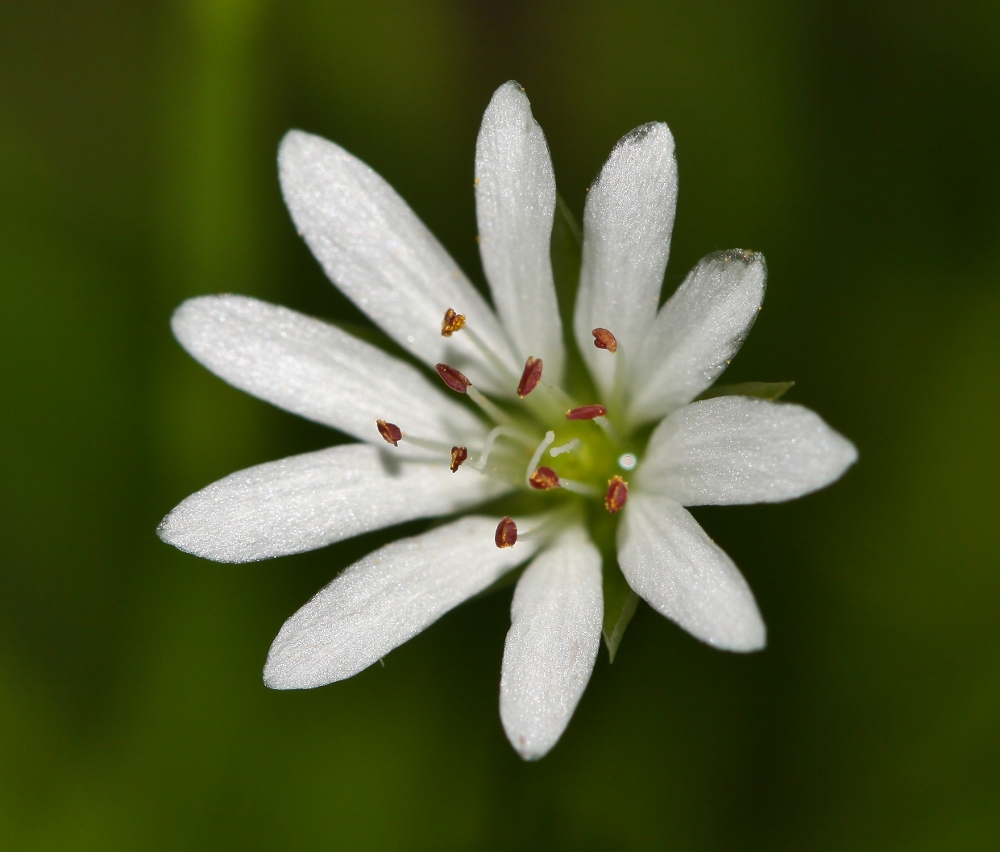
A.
x: 512, y: 431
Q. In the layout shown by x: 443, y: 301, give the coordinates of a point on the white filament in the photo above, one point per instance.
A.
x: 537, y: 455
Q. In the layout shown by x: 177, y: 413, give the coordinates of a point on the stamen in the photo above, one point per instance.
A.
x: 536, y: 457
x: 617, y: 494
x: 544, y: 479
x: 609, y: 430
x: 604, y: 339
x: 390, y: 432
x: 579, y: 488
x: 455, y: 322
x: 452, y: 322
x: 492, y: 410
x: 458, y: 455
x: 531, y: 376
x: 506, y: 532
x: 586, y: 412
x: 453, y: 378
x: 565, y: 448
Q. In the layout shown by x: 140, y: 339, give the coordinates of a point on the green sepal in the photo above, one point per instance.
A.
x: 761, y: 390
x: 620, y: 603
x: 565, y: 248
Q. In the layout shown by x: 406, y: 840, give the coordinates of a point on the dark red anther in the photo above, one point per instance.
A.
x: 390, y: 432
x: 531, y: 376
x: 506, y: 532
x: 453, y: 378
x: 452, y: 322
x: 617, y: 495
x: 458, y: 455
x: 543, y: 479
x: 586, y: 412
x: 604, y: 339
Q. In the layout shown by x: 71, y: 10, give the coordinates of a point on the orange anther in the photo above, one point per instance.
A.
x: 586, y: 412
x: 506, y: 532
x: 531, y: 376
x: 617, y: 495
x: 452, y: 322
x: 604, y: 339
x: 453, y: 378
x: 390, y: 432
x: 458, y: 455
x: 543, y: 479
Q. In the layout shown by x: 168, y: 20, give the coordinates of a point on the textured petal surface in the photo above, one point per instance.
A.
x: 308, y: 501
x: 376, y: 250
x: 385, y: 599
x: 515, y: 202
x: 678, y: 570
x: 552, y: 644
x: 318, y: 371
x: 626, y: 241
x: 697, y: 332
x: 735, y: 449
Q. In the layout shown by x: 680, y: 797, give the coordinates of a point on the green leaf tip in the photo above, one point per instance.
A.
x: 761, y: 390
x: 620, y: 603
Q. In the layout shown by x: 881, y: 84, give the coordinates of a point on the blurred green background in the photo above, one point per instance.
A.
x: 854, y: 143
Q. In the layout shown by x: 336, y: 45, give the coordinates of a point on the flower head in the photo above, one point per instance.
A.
x: 489, y: 409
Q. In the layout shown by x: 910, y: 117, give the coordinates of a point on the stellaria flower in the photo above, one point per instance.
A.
x: 568, y: 440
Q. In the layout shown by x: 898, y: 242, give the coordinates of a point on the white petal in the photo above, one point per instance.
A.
x: 675, y: 567
x: 379, y: 253
x: 308, y: 501
x: 626, y: 240
x: 318, y: 371
x: 552, y: 644
x: 385, y: 599
x: 736, y: 449
x: 515, y: 202
x: 697, y: 332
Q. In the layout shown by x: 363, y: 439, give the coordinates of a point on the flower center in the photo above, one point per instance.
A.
x: 552, y: 448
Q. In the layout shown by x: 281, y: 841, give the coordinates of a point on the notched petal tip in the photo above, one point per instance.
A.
x: 296, y: 145
x: 648, y: 143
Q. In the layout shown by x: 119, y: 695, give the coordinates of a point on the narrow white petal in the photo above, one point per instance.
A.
x: 318, y: 371
x: 385, y: 599
x: 515, y: 202
x: 308, y: 501
x: 736, y: 449
x: 627, y: 223
x: 552, y: 644
x: 376, y: 250
x: 678, y: 570
x: 697, y: 332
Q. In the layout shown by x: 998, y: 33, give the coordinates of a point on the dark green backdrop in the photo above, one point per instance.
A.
x: 855, y: 144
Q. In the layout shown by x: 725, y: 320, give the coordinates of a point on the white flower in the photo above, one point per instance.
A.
x: 553, y: 478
